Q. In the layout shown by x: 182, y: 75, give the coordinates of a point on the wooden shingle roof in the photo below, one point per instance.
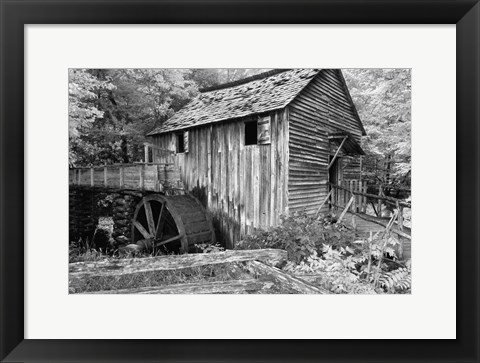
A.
x: 258, y: 94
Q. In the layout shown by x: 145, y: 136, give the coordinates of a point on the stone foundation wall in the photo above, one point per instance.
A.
x: 86, y: 205
x: 123, y: 208
x: 83, y: 217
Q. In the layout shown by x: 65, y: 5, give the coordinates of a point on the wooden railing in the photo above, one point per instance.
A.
x: 352, y: 197
x: 138, y: 176
x: 154, y: 153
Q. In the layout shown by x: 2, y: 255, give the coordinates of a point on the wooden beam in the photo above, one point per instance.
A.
x: 383, y: 224
x: 142, y: 230
x: 150, y: 221
x: 286, y: 279
x: 216, y: 287
x: 336, y: 154
x: 346, y: 209
x: 81, y: 270
x: 121, y: 170
x: 379, y: 201
x: 105, y: 176
x: 324, y: 201
x: 92, y: 182
x: 391, y: 200
x: 142, y: 177
x: 147, y: 155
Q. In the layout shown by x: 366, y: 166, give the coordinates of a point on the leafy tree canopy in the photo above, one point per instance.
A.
x: 112, y: 110
x: 383, y: 100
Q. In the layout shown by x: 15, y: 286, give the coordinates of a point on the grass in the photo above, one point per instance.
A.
x: 80, y: 252
x: 219, y: 272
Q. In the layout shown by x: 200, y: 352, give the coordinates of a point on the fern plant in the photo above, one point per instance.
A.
x: 396, y: 280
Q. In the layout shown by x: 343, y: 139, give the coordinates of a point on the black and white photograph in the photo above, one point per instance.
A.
x: 240, y: 181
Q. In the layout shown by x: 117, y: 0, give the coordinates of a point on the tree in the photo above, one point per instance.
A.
x: 383, y: 100
x: 138, y: 101
x: 83, y: 89
x: 112, y: 110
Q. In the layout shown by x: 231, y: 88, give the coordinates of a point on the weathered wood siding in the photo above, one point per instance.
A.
x: 352, y: 168
x: 244, y: 187
x: 322, y: 107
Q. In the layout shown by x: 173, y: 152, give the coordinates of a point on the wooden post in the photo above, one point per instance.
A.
x: 400, y: 227
x: 365, y: 197
x: 105, y: 176
x: 354, y: 204
x: 324, y: 201
x: 338, y: 151
x: 122, y: 181
x: 379, y: 205
x: 360, y: 189
x: 92, y: 183
x: 142, y: 176
x: 352, y: 195
x: 346, y: 209
x: 79, y: 175
x: 156, y: 183
x: 146, y: 154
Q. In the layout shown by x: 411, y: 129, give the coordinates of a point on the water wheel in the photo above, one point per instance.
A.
x: 174, y: 223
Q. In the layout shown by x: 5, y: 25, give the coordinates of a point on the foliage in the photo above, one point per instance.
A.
x: 83, y: 90
x: 299, y: 234
x: 336, y: 271
x: 83, y: 251
x: 209, y: 248
x: 383, y: 100
x: 396, y: 280
x: 330, y: 252
x: 111, y: 111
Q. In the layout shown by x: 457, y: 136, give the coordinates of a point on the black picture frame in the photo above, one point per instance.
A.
x: 15, y: 14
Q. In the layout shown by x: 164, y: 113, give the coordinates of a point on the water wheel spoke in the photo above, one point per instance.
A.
x: 142, y: 230
x: 173, y: 224
x: 161, y: 221
x: 157, y: 244
x: 149, y: 215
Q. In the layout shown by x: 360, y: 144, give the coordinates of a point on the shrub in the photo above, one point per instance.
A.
x: 300, y: 235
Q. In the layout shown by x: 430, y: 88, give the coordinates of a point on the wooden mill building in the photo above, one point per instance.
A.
x: 264, y: 146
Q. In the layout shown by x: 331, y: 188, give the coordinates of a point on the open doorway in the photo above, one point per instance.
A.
x: 335, y: 176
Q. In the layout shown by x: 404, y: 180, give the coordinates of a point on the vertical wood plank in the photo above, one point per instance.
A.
x: 209, y: 166
x: 287, y: 158
x: 242, y: 177
x: 147, y: 158
x: 235, y: 181
x: 400, y: 227
x: 156, y: 183
x: 122, y: 176
x: 256, y: 185
x: 379, y: 203
x: 225, y: 166
x: 365, y: 198
x: 105, y: 176
x: 248, y: 182
x: 273, y: 165
x: 280, y: 167
x: 92, y: 182
x: 142, y: 176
